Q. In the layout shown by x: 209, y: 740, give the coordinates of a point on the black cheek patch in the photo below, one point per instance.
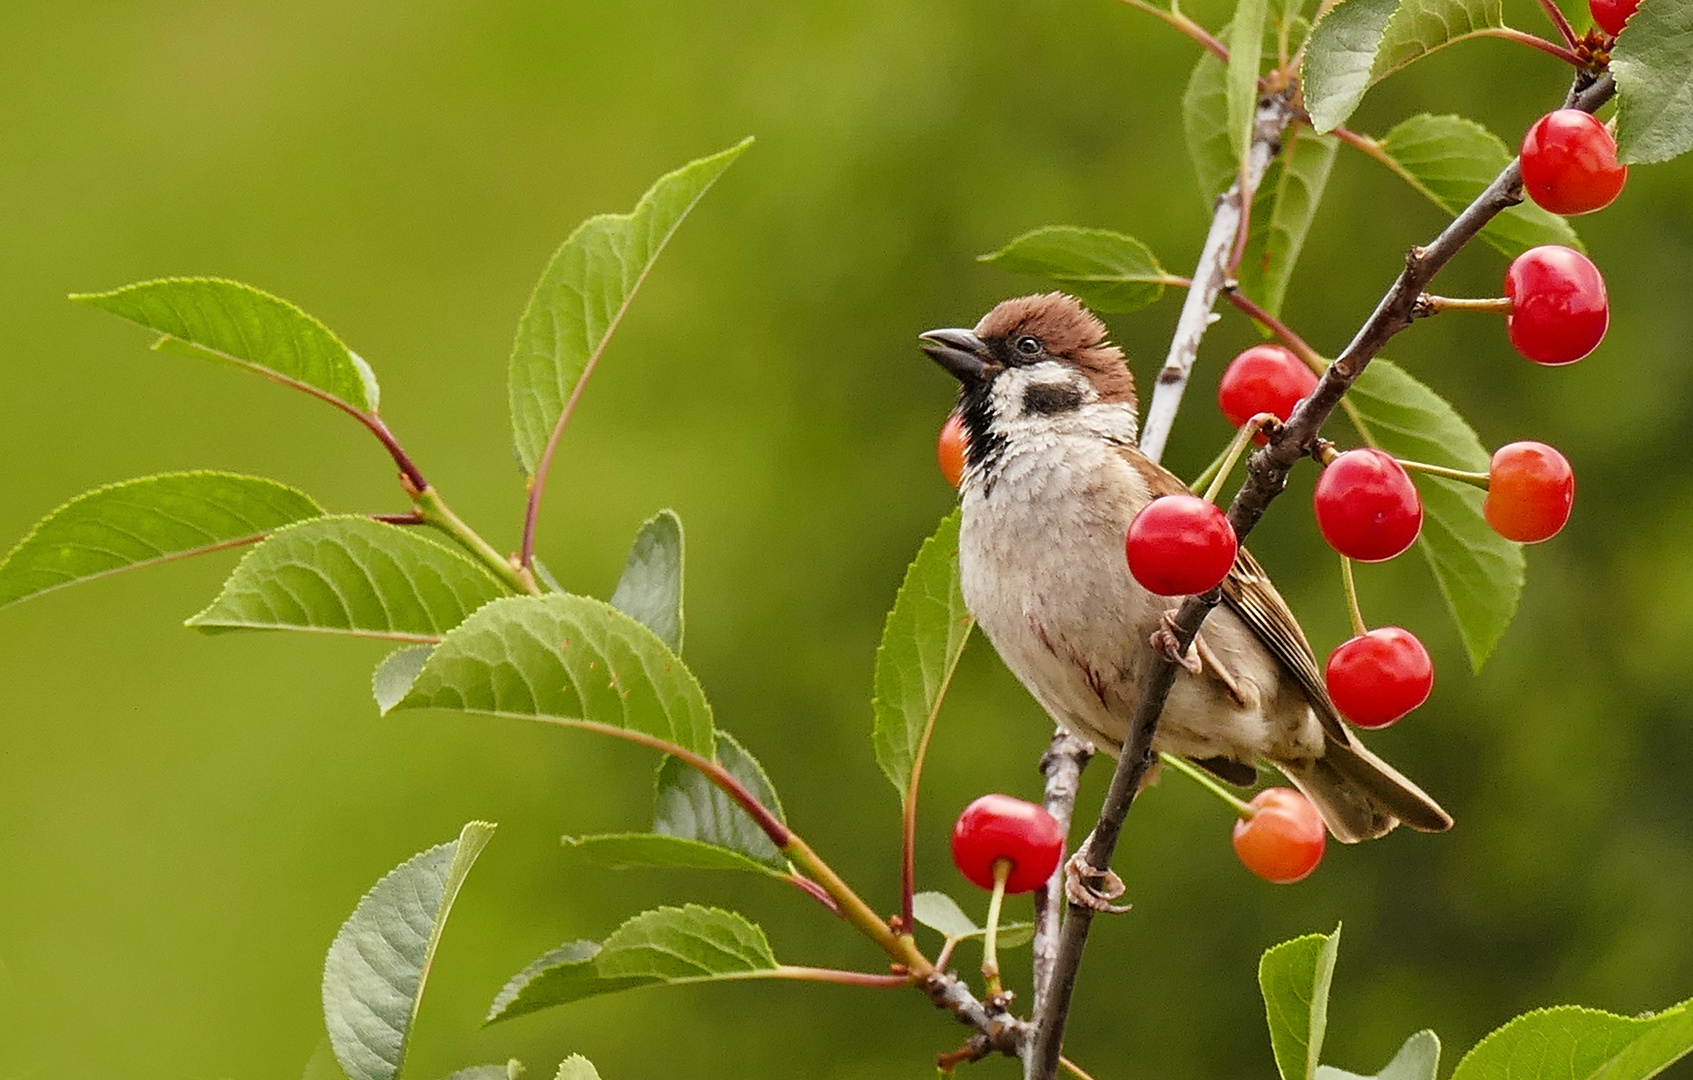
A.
x: 1050, y: 398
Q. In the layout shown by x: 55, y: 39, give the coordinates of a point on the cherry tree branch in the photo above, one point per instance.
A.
x: 1266, y: 477
x: 1062, y: 766
x: 1275, y: 112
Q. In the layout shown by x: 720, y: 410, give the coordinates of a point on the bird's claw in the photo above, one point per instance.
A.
x: 1169, y: 646
x: 1090, y: 887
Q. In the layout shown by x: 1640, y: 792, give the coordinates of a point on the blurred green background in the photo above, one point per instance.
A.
x: 184, y: 820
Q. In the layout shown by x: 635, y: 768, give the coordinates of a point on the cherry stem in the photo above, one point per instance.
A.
x: 1186, y: 26
x: 433, y: 510
x: 1428, y: 304
x: 1210, y: 470
x: 1479, y: 479
x: 1533, y: 41
x: 1236, y: 448
x: 908, y: 808
x: 1560, y: 23
x: 840, y: 978
x: 1359, y: 627
x: 1241, y: 808
x: 990, y: 946
x: 1073, y: 1069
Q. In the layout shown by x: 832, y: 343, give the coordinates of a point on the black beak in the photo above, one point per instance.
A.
x: 961, y: 352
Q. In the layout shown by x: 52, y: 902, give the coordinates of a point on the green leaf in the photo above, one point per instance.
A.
x: 650, y: 589
x: 1246, y: 44
x: 1450, y: 160
x: 350, y: 575
x: 668, y: 945
x: 623, y: 851
x: 144, y: 521
x: 1653, y: 65
x: 583, y: 294
x: 1205, y: 123
x: 577, y: 1067
x: 570, y: 660
x: 511, y: 1070
x: 374, y: 975
x: 392, y: 679
x: 1418, y: 1059
x: 1479, y: 572
x: 1572, y: 1043
x: 1361, y: 42
x: 689, y: 806
x: 922, y: 640
x: 695, y: 825
x: 1292, y: 192
x: 938, y: 911
x: 232, y: 323
x: 1107, y: 271
x: 1294, y: 977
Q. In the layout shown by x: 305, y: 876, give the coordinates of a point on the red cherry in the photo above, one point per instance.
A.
x: 1284, y: 840
x: 1180, y: 545
x: 950, y: 448
x: 1530, y: 489
x: 1376, y: 678
x: 1264, y: 379
x: 1569, y: 163
x: 1367, y: 507
x: 1611, y: 15
x: 998, y: 827
x: 1559, y: 311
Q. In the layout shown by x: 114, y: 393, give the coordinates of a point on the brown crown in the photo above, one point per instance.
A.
x: 1071, y: 333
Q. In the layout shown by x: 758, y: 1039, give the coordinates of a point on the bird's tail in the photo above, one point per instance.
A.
x: 1361, y: 796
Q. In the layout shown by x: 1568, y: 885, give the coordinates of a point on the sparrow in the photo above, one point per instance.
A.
x: 1053, y: 476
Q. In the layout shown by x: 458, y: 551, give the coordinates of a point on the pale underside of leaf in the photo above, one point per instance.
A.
x: 350, y: 575
x: 392, y: 680
x: 145, y: 521
x: 511, y: 1070
x: 1573, y: 1043
x: 650, y: 590
x: 686, y: 804
x: 1450, y: 160
x: 583, y: 294
x: 374, y: 975
x: 1417, y: 1059
x: 1205, y: 125
x: 923, y: 637
x: 1292, y: 193
x: 1480, y: 573
x: 1246, y: 44
x: 941, y: 913
x: 1107, y: 271
x: 1294, y: 978
x: 1653, y: 65
x: 577, y: 1067
x: 570, y: 660
x: 227, y: 321
x: 668, y: 945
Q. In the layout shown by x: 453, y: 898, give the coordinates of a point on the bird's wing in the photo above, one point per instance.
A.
x: 1249, y: 592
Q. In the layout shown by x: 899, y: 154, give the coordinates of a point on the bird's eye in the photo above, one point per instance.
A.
x: 1028, y: 346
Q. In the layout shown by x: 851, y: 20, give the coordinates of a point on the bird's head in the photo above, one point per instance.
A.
x: 1034, y: 362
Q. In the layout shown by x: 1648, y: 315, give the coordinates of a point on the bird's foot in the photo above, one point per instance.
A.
x: 1166, y: 644
x: 1090, y: 887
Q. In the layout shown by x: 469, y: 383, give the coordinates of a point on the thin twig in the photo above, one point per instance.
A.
x: 1267, y: 476
x: 1275, y: 111
x: 1186, y: 26
x: 1565, y: 30
x: 1533, y: 41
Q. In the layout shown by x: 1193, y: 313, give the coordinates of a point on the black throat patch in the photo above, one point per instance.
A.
x: 1049, y: 399
x: 986, y: 447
